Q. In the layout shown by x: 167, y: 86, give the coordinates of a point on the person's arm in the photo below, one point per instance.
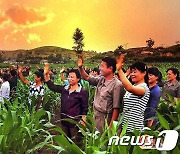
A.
x: 126, y: 83
x: 115, y: 115
x: 84, y: 102
x: 118, y: 93
x: 178, y: 93
x: 23, y: 79
x: 50, y: 84
x: 84, y: 105
x: 53, y: 87
x: 62, y: 78
x: 61, y: 74
x: 39, y: 103
x: 83, y: 73
x: 153, y: 106
x: 37, y: 66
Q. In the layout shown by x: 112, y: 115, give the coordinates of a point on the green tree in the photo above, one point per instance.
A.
x: 1, y: 58
x: 150, y: 42
x: 78, y: 41
x: 118, y: 50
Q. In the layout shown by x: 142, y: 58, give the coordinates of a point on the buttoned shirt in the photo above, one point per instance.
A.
x: 172, y: 88
x: 108, y: 95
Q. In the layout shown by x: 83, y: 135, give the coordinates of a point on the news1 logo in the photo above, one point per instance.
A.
x: 170, y: 138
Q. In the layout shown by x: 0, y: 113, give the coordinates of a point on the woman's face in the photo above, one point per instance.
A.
x: 171, y: 76
x: 72, y: 78
x: 152, y: 78
x: 137, y: 76
x: 37, y: 79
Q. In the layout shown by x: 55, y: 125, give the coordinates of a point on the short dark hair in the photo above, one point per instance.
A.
x: 76, y: 71
x: 41, y: 70
x: 110, y: 62
x: 155, y: 72
x: 5, y: 77
x: 13, y: 73
x: 175, y: 72
x: 39, y: 74
x: 96, y: 70
x: 139, y: 66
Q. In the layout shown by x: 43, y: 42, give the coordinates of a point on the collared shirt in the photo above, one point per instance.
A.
x: 73, y: 103
x: 4, y: 91
x: 172, y: 88
x: 108, y: 94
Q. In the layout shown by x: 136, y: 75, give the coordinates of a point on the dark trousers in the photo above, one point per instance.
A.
x: 72, y: 132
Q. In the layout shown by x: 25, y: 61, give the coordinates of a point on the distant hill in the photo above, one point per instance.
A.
x: 44, y: 52
x: 57, y: 54
x: 158, y: 54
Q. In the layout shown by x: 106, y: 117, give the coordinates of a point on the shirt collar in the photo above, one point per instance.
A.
x: 173, y: 84
x: 108, y: 82
x: 77, y: 90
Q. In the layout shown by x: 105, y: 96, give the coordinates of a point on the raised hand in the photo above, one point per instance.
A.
x: 120, y: 62
x: 46, y: 69
x: 37, y: 66
x: 62, y: 70
x: 80, y: 61
x: 20, y: 68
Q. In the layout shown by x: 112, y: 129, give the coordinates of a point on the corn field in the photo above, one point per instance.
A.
x: 23, y: 130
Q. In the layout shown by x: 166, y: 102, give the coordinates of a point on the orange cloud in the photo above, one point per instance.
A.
x: 27, y: 16
x: 3, y: 18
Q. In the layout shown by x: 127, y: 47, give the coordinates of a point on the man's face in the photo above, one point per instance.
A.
x: 104, y: 70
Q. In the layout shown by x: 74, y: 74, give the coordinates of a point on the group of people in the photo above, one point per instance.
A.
x: 136, y: 90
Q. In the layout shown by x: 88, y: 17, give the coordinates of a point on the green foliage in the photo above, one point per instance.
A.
x: 22, y: 130
x: 78, y: 41
x: 150, y: 42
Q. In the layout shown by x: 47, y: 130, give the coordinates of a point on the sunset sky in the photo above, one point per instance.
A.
x: 26, y: 24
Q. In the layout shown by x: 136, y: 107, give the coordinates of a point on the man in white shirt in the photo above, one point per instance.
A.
x: 5, y: 88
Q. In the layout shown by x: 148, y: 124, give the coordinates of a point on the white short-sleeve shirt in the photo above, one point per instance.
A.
x: 4, y: 91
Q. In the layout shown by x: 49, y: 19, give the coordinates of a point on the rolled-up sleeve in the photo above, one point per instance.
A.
x: 93, y: 80
x: 118, y: 93
x: 178, y: 92
x: 84, y: 102
x: 53, y: 87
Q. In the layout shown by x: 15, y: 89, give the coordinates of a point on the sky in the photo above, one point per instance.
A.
x: 106, y: 24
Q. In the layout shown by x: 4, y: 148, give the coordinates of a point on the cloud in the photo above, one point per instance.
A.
x: 28, y: 17
x: 33, y: 37
x: 3, y: 19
